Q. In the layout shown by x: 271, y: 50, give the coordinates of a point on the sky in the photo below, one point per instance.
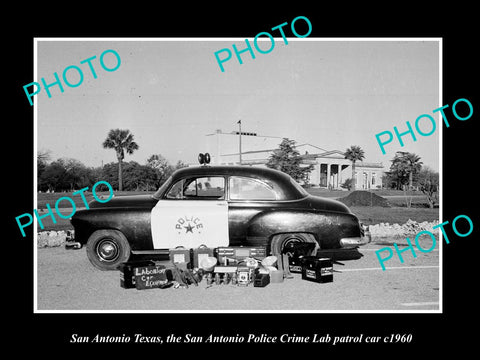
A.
x: 171, y: 93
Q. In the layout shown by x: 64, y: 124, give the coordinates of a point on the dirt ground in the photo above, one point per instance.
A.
x: 66, y: 281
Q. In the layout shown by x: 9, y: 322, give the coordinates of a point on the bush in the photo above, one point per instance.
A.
x: 347, y: 184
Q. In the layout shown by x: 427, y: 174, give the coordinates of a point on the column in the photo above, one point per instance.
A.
x: 339, y: 175
x: 328, y: 176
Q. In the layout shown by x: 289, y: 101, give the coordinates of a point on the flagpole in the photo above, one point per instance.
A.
x: 240, y: 140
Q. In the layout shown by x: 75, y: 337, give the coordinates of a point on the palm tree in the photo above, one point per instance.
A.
x: 413, y: 165
x: 354, y: 153
x: 120, y: 140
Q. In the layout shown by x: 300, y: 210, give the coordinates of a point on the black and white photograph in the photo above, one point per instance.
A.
x: 292, y: 160
x: 208, y: 180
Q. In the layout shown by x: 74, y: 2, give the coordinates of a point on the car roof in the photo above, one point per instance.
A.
x: 280, y: 179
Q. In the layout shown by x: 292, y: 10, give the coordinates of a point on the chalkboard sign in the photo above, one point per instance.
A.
x: 151, y: 277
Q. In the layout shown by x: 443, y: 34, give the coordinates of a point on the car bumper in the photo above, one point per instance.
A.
x: 352, y: 242
x: 70, y: 243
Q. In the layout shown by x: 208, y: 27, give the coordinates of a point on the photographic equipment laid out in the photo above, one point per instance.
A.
x: 237, y: 254
x: 233, y: 265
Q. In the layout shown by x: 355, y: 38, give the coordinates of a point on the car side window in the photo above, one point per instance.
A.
x: 242, y: 188
x: 199, y: 188
x: 176, y: 191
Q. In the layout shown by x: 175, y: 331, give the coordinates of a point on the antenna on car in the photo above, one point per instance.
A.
x: 204, y: 158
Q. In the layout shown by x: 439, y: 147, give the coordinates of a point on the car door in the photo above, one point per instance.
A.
x: 193, y: 212
x: 248, y: 198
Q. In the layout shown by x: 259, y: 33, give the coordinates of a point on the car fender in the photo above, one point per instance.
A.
x: 327, y: 227
x: 136, y: 229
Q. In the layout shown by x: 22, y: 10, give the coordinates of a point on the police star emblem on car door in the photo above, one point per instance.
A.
x: 187, y: 225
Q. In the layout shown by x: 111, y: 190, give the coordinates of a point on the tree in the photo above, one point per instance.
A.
x: 354, y: 154
x: 414, y: 165
x: 429, y: 183
x: 121, y: 141
x: 65, y: 174
x: 404, y: 169
x: 43, y: 157
x: 53, y: 178
x: 162, y: 168
x: 135, y: 177
x: 287, y: 159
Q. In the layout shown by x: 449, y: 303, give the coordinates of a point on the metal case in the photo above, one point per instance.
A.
x: 235, y: 254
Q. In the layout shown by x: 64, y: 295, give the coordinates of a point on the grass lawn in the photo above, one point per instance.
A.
x: 369, y: 215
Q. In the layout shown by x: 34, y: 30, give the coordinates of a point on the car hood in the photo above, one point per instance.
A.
x: 127, y: 201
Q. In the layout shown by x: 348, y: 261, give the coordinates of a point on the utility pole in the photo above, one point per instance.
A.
x: 240, y: 140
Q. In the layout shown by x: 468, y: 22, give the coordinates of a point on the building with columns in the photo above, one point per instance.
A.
x: 330, y: 168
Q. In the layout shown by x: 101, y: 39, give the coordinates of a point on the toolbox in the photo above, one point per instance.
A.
x: 127, y: 275
x: 201, y: 253
x: 317, y: 269
x: 151, y: 277
x: 181, y: 255
x: 235, y: 254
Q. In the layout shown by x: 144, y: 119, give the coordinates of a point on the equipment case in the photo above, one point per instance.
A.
x: 200, y: 253
x: 317, y: 269
x: 127, y: 275
x: 235, y: 254
x: 181, y: 255
x: 151, y: 277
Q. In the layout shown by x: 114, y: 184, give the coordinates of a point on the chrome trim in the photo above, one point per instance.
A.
x: 351, y: 242
x: 70, y: 243
x: 73, y: 245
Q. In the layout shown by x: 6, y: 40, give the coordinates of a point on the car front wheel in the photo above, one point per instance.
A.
x: 107, y: 249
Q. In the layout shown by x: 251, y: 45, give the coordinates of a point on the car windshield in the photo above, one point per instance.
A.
x: 162, y: 188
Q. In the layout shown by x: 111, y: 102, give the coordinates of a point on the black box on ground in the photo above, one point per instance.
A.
x: 261, y: 280
x: 295, y: 265
x: 127, y: 275
x: 317, y: 269
x: 296, y: 251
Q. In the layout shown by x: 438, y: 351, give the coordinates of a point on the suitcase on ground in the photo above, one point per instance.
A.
x: 201, y: 253
x: 181, y: 255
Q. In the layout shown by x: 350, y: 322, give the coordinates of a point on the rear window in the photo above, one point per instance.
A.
x: 242, y: 188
